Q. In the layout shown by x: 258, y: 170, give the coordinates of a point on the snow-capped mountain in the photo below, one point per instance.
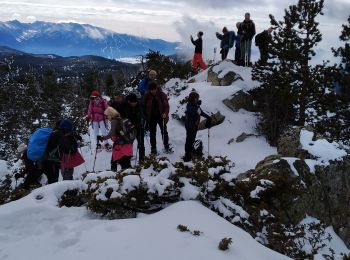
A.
x: 73, y: 39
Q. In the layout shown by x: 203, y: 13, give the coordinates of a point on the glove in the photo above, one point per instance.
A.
x: 199, y: 102
x: 208, y: 123
x: 99, y: 138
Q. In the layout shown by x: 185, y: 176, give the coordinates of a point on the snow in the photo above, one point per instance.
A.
x: 73, y: 233
x: 40, y: 229
x: 335, y: 243
x: 4, y: 170
x: 131, y: 60
x: 321, y: 148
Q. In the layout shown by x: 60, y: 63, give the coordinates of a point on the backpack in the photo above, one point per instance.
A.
x: 259, y: 39
x: 197, y: 148
x: 231, y: 38
x: 38, y: 143
x: 127, y: 134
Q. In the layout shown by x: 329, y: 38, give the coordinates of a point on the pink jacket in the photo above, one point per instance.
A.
x: 96, y: 109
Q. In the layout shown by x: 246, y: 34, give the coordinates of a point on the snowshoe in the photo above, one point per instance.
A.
x: 154, y: 152
x: 108, y: 147
x: 168, y: 149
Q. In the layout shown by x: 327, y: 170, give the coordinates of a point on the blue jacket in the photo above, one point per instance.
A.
x: 143, y: 85
x: 193, y: 114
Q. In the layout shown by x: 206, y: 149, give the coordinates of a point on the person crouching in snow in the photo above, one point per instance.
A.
x: 122, y: 151
x: 70, y: 156
x: 197, y: 57
x: 96, y: 109
x: 193, y: 114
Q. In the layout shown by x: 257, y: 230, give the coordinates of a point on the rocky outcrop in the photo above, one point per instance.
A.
x: 216, y: 119
x: 327, y: 196
x: 324, y: 194
x: 226, y: 80
x: 240, y: 100
x: 289, y: 145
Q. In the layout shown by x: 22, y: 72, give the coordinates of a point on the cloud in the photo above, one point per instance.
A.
x: 188, y: 26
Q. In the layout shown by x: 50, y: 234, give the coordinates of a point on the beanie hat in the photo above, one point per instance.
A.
x: 66, y: 125
x: 132, y: 98
x: 200, y: 33
x: 152, y: 85
x: 224, y: 29
x: 95, y: 93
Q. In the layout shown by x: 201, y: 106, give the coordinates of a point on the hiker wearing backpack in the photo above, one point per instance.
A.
x: 246, y: 31
x: 134, y: 112
x: 193, y: 114
x: 122, y: 144
x: 96, y: 109
x: 70, y: 156
x: 197, y: 57
x: 227, y: 41
x: 157, y: 112
x: 144, y: 83
x: 262, y: 42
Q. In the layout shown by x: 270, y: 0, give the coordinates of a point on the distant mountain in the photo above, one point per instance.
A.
x: 64, y: 66
x: 73, y: 39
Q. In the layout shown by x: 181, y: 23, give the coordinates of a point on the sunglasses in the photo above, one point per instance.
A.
x: 93, y: 97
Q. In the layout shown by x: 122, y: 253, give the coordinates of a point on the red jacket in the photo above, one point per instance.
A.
x: 162, y: 103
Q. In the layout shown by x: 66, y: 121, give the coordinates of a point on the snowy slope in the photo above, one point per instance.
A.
x: 38, y: 229
x: 42, y: 230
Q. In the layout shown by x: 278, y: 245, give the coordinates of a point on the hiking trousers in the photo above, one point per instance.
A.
x: 197, y: 58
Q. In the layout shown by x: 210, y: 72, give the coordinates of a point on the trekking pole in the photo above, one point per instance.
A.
x: 89, y: 138
x: 93, y: 168
x: 208, y: 140
x: 214, y: 54
x: 246, y: 53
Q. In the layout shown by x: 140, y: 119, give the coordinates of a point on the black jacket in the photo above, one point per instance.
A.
x: 199, y: 45
x: 225, y: 39
x: 246, y: 30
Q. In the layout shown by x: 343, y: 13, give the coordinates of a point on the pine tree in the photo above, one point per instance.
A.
x: 289, y: 83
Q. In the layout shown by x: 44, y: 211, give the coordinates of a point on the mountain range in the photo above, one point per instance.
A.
x: 73, y: 39
x: 64, y: 66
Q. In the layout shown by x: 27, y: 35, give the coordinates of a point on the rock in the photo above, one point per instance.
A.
x: 267, y: 161
x: 288, y: 144
x: 216, y: 119
x: 225, y: 80
x: 191, y: 80
x: 240, y: 100
x: 243, y: 136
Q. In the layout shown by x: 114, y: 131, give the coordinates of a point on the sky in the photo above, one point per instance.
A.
x: 171, y: 20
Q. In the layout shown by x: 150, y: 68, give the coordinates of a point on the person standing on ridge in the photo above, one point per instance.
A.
x: 96, y: 109
x: 238, y: 46
x: 262, y: 41
x: 224, y: 44
x: 157, y: 111
x: 134, y: 113
x: 246, y: 31
x: 193, y: 114
x: 144, y: 83
x: 197, y: 57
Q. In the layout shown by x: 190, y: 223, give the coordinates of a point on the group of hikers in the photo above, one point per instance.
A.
x: 242, y: 40
x: 128, y: 118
